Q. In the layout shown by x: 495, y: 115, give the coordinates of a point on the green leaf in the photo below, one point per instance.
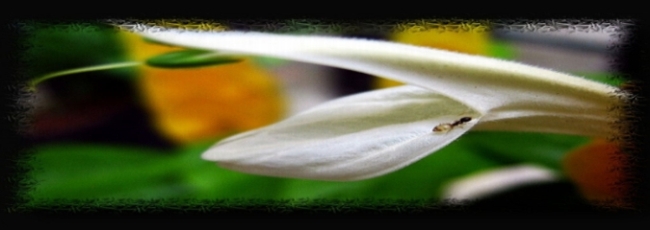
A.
x: 190, y: 58
x: 110, y: 66
x: 151, y: 41
x: 515, y: 148
x: 58, y: 47
x: 81, y: 171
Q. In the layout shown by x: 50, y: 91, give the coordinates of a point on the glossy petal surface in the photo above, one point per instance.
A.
x: 351, y: 138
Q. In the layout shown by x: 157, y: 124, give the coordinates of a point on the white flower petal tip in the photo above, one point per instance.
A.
x: 490, y: 182
x: 351, y: 138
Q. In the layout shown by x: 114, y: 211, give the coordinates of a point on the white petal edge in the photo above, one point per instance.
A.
x: 536, y: 99
x: 351, y: 138
x: 485, y: 183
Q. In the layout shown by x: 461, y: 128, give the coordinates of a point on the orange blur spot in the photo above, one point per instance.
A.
x: 470, y: 42
x: 190, y: 104
x: 597, y: 169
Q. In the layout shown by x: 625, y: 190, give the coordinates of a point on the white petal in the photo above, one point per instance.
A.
x: 378, y: 132
x: 351, y: 138
x: 498, y: 180
x: 501, y: 89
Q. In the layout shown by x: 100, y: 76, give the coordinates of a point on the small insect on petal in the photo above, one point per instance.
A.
x: 445, y: 127
x: 462, y: 120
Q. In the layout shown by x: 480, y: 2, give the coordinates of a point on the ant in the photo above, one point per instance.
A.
x: 445, y: 127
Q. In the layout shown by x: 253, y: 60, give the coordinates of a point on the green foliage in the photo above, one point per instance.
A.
x: 534, y: 148
x: 502, y: 50
x: 190, y: 58
x: 93, y: 171
x: 603, y: 77
x: 53, y: 48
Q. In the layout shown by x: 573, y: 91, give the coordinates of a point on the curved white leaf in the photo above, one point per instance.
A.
x: 378, y: 132
x: 351, y: 138
x: 500, y: 89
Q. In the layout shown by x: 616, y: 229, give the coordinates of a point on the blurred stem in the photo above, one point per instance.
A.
x: 36, y: 81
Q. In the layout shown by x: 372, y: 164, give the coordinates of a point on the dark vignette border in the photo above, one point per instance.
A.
x: 631, y: 56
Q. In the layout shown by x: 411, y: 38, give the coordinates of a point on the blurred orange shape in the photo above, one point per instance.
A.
x: 470, y: 42
x: 191, y: 104
x: 597, y: 169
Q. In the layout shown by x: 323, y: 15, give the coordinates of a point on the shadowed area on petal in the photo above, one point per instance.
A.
x: 351, y: 138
